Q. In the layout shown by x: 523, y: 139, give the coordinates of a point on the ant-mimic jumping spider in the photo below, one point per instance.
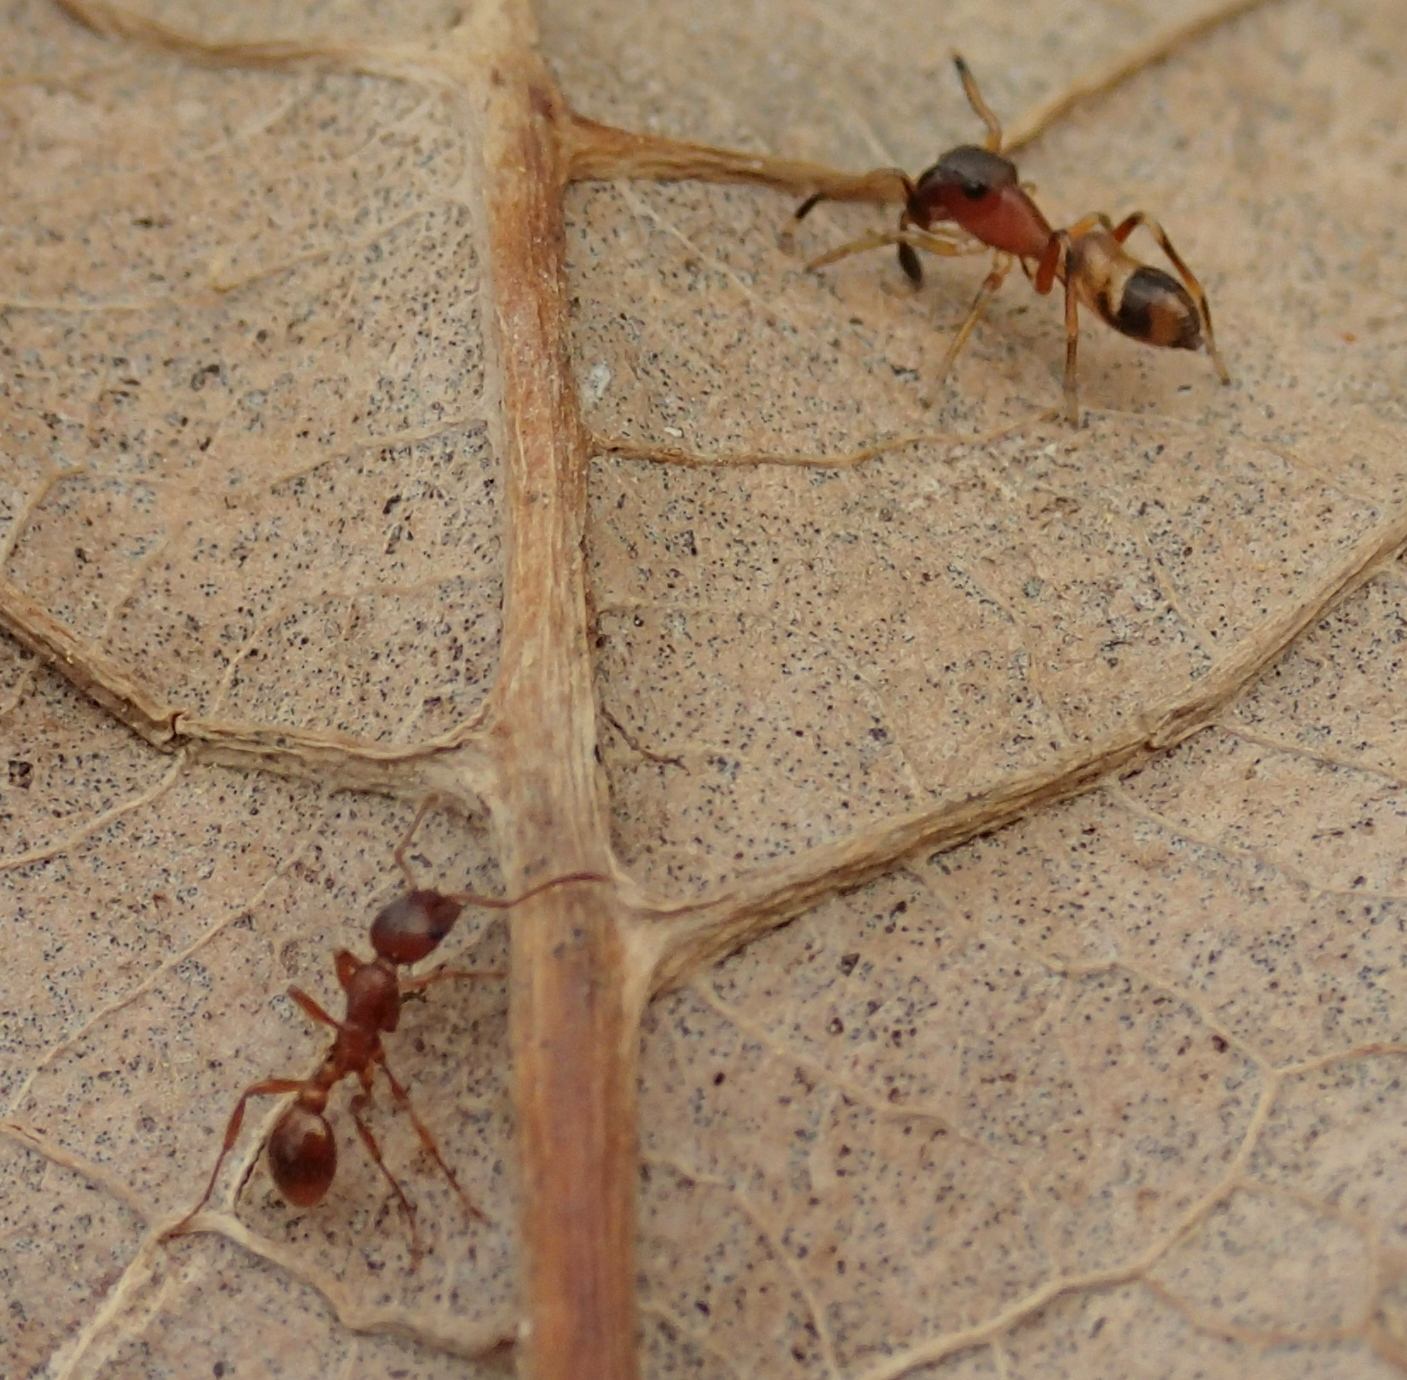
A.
x: 979, y: 191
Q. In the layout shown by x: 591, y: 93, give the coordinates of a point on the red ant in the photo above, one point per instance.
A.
x: 978, y: 190
x: 302, y: 1149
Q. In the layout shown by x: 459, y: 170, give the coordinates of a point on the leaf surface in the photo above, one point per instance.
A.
x: 1114, y: 1090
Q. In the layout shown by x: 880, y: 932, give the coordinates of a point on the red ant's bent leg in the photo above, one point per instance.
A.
x: 419, y: 984
x: 374, y: 1150
x: 268, y: 1088
x: 402, y: 1097
x: 312, y: 1009
x: 348, y: 965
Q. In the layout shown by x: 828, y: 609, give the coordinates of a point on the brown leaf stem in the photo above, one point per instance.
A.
x: 693, y: 938
x: 574, y: 1003
x: 580, y: 974
x: 408, y: 770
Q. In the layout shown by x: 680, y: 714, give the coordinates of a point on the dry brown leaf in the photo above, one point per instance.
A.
x: 299, y: 526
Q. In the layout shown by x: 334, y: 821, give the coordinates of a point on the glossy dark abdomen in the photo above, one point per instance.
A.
x: 1156, y: 309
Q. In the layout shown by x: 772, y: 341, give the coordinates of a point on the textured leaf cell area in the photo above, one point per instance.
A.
x: 336, y: 472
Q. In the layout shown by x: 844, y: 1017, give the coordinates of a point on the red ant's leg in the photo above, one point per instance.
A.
x: 374, y: 1150
x: 1001, y: 266
x: 348, y: 965
x: 1126, y: 227
x: 268, y: 1088
x: 402, y: 1097
x: 419, y: 984
x: 312, y: 1009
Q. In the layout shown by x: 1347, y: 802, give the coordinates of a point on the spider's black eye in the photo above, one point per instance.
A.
x: 974, y: 191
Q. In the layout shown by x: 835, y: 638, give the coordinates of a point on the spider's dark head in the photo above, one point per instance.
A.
x: 980, y: 192
x: 959, y: 182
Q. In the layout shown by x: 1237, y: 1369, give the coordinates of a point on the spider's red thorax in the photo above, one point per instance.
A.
x: 1008, y: 219
x: 979, y: 191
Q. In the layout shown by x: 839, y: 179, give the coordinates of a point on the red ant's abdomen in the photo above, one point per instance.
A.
x: 302, y: 1156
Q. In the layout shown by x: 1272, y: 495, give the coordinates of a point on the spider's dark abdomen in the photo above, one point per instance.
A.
x: 1156, y: 308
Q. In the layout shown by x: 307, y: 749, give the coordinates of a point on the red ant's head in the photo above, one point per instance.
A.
x: 980, y: 191
x: 413, y: 925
